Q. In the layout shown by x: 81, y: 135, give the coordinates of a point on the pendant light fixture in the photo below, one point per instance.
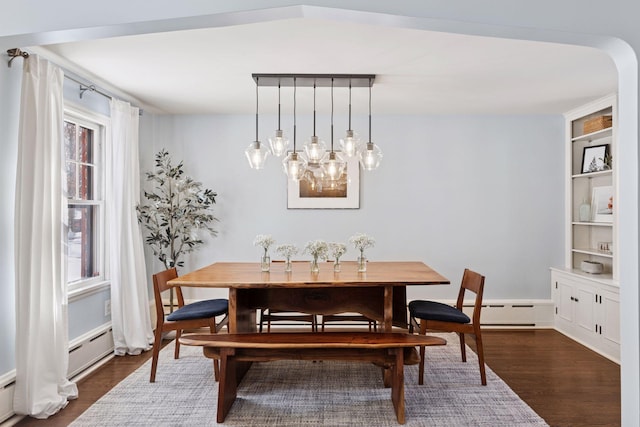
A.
x: 315, y: 149
x: 370, y: 155
x: 293, y: 164
x: 350, y: 143
x: 334, y: 165
x: 256, y: 152
x: 278, y: 143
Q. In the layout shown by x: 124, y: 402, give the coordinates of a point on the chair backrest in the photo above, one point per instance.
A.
x: 160, y: 285
x: 473, y: 282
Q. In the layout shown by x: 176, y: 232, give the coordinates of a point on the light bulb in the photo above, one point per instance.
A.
x: 349, y: 144
x: 370, y: 156
x: 294, y: 166
x: 278, y: 143
x: 256, y: 154
x: 333, y: 167
x: 315, y: 150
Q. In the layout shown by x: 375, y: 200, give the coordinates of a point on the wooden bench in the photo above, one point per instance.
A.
x: 385, y: 349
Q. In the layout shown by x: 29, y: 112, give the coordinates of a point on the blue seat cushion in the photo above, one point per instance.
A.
x: 200, y: 310
x: 431, y: 310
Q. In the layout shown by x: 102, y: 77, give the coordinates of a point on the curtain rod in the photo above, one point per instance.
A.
x: 87, y: 87
x: 84, y: 87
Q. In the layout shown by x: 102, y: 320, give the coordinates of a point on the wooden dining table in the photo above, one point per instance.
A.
x: 379, y: 293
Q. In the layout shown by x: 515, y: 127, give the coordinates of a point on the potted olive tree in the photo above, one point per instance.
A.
x: 174, y: 211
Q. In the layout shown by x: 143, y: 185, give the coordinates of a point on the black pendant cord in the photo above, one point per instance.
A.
x: 332, y: 115
x: 257, y: 84
x: 369, y: 110
x: 294, y: 114
x: 279, y: 105
x: 314, y: 108
x: 349, y: 104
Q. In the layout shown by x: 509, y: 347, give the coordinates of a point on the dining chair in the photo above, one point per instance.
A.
x: 268, y: 315
x: 190, y: 316
x: 347, y: 317
x: 442, y: 317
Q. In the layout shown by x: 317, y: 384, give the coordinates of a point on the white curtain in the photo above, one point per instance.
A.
x: 42, y: 340
x: 131, y: 323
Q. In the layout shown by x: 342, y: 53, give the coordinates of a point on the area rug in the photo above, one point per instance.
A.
x: 303, y: 393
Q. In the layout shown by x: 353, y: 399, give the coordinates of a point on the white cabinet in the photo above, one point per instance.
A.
x: 588, y: 311
x: 587, y: 306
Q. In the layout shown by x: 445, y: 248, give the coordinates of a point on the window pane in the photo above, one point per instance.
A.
x: 85, y: 139
x: 81, y: 262
x: 69, y: 141
x: 71, y: 180
x: 85, y: 183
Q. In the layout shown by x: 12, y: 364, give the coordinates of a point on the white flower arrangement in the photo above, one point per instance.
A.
x: 337, y: 250
x: 287, y: 250
x: 264, y: 240
x: 317, y: 249
x: 361, y: 241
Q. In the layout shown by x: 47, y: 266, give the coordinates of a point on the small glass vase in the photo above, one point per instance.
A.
x: 336, y: 266
x: 265, y: 263
x: 315, y: 268
x: 287, y: 265
x: 362, y: 264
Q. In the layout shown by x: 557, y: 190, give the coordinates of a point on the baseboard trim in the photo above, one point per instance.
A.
x: 513, y: 314
x: 86, y: 354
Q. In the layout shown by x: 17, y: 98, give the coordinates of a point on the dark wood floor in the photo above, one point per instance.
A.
x: 564, y: 382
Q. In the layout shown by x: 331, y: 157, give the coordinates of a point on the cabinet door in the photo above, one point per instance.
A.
x: 564, y: 302
x: 584, y: 302
x: 609, y: 322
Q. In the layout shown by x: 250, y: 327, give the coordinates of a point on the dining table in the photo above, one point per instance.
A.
x: 379, y: 293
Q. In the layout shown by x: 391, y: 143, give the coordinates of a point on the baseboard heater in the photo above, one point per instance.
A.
x: 84, y: 352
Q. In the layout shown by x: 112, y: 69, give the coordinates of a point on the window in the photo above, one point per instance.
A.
x: 83, y: 189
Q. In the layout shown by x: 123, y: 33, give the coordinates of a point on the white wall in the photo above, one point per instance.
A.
x: 484, y: 192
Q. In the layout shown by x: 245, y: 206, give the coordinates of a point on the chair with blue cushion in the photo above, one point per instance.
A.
x: 191, y: 316
x: 436, y: 316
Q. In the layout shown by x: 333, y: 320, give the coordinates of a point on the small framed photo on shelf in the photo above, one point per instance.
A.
x: 594, y: 158
x: 602, y: 204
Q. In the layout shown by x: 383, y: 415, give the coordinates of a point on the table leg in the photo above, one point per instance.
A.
x: 228, y: 385
x: 387, y: 326
x: 397, y: 385
x: 242, y: 318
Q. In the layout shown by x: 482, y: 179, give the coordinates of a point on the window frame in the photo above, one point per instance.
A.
x: 99, y: 124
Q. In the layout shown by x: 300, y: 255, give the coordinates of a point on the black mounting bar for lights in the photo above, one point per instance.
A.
x: 320, y: 80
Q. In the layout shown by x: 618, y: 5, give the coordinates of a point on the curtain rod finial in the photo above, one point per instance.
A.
x: 14, y: 53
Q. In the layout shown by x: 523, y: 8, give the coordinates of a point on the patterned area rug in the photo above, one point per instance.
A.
x: 302, y: 393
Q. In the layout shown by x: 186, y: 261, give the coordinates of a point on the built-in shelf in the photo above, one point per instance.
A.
x: 592, y: 174
x: 602, y: 133
x: 593, y: 224
x: 592, y: 251
x: 587, y: 306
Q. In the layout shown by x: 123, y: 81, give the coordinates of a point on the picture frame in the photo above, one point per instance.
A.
x: 304, y: 194
x: 602, y: 204
x: 593, y: 158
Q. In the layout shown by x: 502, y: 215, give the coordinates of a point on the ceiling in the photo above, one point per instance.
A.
x: 208, y: 71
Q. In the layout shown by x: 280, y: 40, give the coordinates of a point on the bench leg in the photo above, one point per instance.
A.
x: 397, y: 384
x: 228, y: 385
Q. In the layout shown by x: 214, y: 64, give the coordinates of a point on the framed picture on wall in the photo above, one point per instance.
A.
x: 593, y: 158
x: 602, y: 204
x: 313, y: 191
